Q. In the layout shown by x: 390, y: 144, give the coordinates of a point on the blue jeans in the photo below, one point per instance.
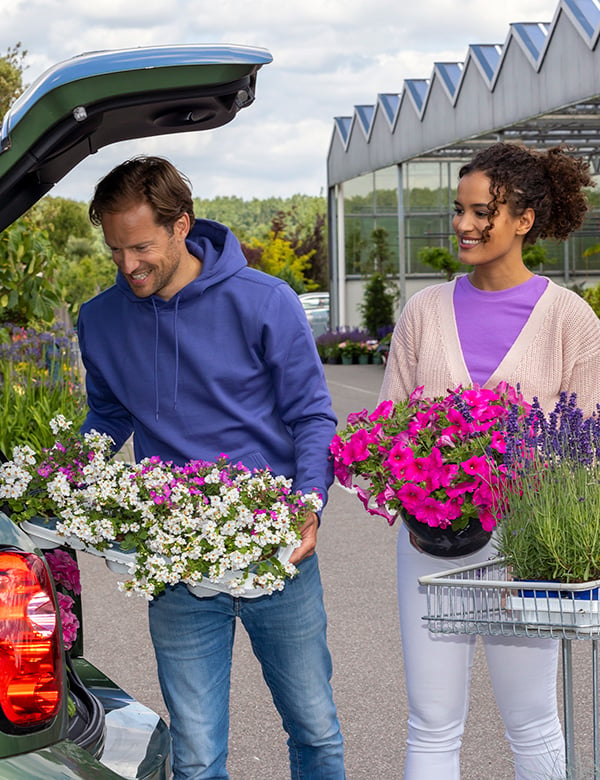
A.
x: 193, y: 642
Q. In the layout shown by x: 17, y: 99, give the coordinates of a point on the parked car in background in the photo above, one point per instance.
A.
x: 316, y: 306
x: 73, y: 110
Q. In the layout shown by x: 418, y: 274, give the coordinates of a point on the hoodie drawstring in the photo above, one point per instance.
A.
x: 176, y: 333
x: 155, y: 360
x: 156, y: 337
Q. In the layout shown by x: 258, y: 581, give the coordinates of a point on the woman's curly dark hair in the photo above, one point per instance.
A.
x: 548, y: 182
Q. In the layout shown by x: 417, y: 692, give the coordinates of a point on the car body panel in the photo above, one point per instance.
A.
x: 61, y: 761
x: 97, y: 99
x: 316, y: 307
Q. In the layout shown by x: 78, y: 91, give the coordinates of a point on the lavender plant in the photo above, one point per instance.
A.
x: 550, y: 529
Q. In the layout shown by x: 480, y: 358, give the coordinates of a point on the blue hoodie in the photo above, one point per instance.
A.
x: 228, y: 366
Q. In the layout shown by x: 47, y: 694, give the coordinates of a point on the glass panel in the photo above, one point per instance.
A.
x: 424, y: 231
x: 424, y: 182
x: 386, y: 191
x: 359, y: 196
x: 383, y: 248
x: 357, y: 237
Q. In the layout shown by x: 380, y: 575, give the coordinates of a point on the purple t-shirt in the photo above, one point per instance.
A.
x: 489, y: 322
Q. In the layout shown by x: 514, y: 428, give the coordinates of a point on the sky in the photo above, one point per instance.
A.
x: 328, y: 56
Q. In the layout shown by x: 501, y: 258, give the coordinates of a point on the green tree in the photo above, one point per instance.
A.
x: 11, y: 76
x: 28, y: 266
x: 278, y: 258
x: 85, y: 268
x: 379, y: 257
x: 81, y: 277
x: 377, y: 307
x: 300, y: 219
x: 535, y: 256
x: 380, y: 293
x: 303, y: 225
x: 440, y: 258
x: 64, y: 219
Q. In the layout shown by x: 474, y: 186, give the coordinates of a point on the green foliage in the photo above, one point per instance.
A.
x: 440, y: 258
x: 536, y: 255
x: 39, y: 378
x: 28, y: 265
x: 85, y: 268
x: 64, y: 220
x: 300, y: 221
x: 377, y: 308
x: 304, y: 225
x: 250, y: 219
x: 551, y: 529
x: 592, y: 296
x: 379, y: 253
x: 82, y: 279
x: 278, y: 258
x: 11, y: 76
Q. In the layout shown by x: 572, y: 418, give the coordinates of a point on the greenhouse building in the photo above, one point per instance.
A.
x: 392, y: 166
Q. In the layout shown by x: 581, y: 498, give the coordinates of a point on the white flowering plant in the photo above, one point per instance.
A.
x: 185, y: 523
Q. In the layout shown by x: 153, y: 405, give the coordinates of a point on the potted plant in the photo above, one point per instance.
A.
x: 219, y: 526
x: 348, y: 351
x: 434, y: 461
x: 550, y: 529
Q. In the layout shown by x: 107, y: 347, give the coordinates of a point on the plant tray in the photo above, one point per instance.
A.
x: 43, y: 533
x: 485, y: 599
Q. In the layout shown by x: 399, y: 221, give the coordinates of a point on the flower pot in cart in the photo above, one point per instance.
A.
x: 444, y: 542
x: 574, y: 604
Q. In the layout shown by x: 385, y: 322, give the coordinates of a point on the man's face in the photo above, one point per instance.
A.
x: 152, y: 260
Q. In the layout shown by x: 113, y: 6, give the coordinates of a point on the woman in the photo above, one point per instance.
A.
x: 498, y: 322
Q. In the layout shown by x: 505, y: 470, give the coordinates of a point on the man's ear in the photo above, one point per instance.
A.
x: 181, y: 226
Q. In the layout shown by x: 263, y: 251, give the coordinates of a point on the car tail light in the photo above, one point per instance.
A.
x: 31, y: 676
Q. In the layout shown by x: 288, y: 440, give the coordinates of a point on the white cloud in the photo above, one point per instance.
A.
x: 328, y: 55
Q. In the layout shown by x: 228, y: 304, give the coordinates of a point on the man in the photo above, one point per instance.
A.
x: 199, y: 355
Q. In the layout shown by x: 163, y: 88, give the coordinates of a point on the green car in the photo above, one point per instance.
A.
x: 74, y: 109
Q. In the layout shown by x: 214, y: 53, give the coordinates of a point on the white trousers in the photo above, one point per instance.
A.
x: 438, y: 676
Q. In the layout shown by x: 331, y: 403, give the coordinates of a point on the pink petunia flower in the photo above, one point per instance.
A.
x: 69, y: 622
x: 64, y: 570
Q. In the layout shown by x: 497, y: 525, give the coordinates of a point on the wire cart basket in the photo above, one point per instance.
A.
x: 484, y: 599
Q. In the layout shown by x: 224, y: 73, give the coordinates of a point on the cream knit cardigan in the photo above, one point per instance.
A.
x: 558, y: 349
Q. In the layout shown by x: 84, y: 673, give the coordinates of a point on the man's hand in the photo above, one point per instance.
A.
x: 308, y: 532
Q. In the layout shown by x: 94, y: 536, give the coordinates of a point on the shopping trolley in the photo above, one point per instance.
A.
x: 485, y: 599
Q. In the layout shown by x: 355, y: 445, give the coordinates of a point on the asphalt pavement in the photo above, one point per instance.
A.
x: 357, y: 560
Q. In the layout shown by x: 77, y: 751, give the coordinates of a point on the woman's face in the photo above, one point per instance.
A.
x: 479, y: 242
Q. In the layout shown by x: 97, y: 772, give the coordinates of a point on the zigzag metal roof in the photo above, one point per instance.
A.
x: 540, y: 87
